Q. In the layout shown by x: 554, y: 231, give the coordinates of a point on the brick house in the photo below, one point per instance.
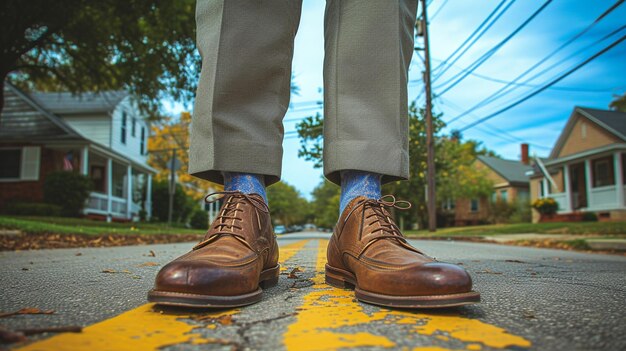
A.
x: 510, y: 184
x: 102, y: 136
x: 585, y: 170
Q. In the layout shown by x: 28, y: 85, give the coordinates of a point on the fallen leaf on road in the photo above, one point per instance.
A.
x: 25, y: 269
x: 225, y: 320
x: 78, y: 254
x: 151, y: 254
x: 148, y: 264
x: 488, y: 271
x: 27, y: 310
x: 114, y: 271
x: 292, y: 274
x: 514, y: 261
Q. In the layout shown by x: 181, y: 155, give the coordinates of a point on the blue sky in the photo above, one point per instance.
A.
x: 537, y: 121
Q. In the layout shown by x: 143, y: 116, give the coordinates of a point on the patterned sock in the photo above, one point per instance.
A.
x: 247, y: 183
x: 358, y: 183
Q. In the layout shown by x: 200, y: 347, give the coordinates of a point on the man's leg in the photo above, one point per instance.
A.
x: 243, y: 93
x: 369, y: 45
x: 236, y: 138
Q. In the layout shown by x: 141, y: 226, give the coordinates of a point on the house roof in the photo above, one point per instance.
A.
x: 86, y: 103
x: 511, y: 170
x: 23, y: 118
x: 613, y: 122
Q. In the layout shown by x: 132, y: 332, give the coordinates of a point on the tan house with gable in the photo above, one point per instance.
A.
x: 585, y: 170
x: 510, y: 184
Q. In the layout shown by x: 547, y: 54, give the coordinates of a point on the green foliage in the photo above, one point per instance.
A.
x: 325, y: 204
x: 287, y: 205
x: 67, y: 190
x: 183, y: 204
x: 199, y: 219
x: 500, y: 211
x: 32, y: 209
x: 619, y: 103
x: 546, y: 206
x: 310, y: 131
x: 589, y: 217
x: 144, y: 46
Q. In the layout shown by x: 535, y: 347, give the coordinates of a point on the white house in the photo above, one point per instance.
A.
x: 103, y: 136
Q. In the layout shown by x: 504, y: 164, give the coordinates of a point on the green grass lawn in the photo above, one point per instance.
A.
x: 61, y: 225
x: 595, y: 228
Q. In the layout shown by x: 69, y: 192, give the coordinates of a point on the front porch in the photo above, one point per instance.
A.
x: 121, y: 187
x: 594, y: 183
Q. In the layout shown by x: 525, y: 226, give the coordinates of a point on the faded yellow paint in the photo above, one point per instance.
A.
x: 288, y: 251
x: 144, y: 328
x: 325, y: 310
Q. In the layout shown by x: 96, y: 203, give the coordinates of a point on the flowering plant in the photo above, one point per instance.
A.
x: 546, y: 206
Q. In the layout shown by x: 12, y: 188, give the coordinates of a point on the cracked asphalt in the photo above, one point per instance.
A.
x: 536, y: 299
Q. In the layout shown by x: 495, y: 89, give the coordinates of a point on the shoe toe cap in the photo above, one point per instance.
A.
x: 203, y: 278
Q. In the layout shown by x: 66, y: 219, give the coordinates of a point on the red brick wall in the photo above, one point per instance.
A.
x: 30, y: 191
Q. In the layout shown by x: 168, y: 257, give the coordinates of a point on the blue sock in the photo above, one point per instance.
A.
x: 247, y: 183
x: 358, y: 183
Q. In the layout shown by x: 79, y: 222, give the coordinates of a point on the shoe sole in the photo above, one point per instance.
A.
x: 267, y: 279
x: 340, y: 278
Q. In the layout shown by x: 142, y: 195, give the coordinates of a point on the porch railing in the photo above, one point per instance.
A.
x: 599, y: 199
x: 97, y: 203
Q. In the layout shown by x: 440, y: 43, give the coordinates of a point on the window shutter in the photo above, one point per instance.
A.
x: 30, y: 163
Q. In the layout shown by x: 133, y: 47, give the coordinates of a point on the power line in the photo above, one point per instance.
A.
x: 438, y: 10
x: 491, y: 52
x: 477, y: 32
x: 496, y: 95
x: 563, y: 76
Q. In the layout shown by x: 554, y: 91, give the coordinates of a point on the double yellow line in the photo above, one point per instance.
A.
x: 319, y: 325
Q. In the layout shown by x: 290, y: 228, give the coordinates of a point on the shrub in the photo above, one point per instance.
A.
x: 500, y: 211
x: 67, y: 190
x: 589, y: 217
x: 33, y: 209
x: 183, y: 204
x: 199, y: 219
x: 546, y: 206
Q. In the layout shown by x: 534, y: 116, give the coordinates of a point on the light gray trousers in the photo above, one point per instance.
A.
x: 244, y: 87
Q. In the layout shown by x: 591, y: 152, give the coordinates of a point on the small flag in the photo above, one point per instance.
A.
x: 67, y: 162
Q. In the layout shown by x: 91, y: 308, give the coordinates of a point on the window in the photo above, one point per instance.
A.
x: 583, y: 130
x: 494, y: 197
x: 448, y: 205
x: 603, y: 172
x: 504, y: 195
x: 474, y: 205
x: 10, y: 163
x: 123, y: 127
x: 142, y: 141
x: 133, y: 126
x: 20, y: 163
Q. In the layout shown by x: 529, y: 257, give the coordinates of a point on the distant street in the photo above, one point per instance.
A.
x: 535, y: 299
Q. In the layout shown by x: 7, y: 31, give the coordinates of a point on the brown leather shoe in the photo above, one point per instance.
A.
x: 237, y: 257
x: 368, y: 252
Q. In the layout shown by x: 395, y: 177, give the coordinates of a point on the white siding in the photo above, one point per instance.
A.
x: 95, y: 128
x: 131, y: 147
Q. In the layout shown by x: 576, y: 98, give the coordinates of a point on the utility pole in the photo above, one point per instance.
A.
x: 430, y: 144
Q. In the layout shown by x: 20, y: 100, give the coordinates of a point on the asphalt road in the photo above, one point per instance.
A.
x: 536, y: 299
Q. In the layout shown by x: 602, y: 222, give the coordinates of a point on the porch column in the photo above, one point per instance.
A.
x: 109, y: 188
x: 588, y: 184
x: 148, y: 203
x: 129, y: 191
x: 546, y: 189
x: 84, y: 167
x: 619, y: 178
x: 568, y: 189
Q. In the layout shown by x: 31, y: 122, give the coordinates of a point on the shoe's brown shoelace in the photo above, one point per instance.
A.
x: 388, y: 229
x: 226, y: 222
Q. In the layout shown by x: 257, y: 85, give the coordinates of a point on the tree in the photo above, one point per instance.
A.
x: 619, y: 103
x: 172, y: 135
x: 325, y: 204
x: 453, y: 163
x: 183, y: 204
x: 287, y: 205
x: 143, y: 46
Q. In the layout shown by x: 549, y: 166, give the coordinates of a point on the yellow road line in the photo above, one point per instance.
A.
x: 325, y: 310
x: 144, y: 328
